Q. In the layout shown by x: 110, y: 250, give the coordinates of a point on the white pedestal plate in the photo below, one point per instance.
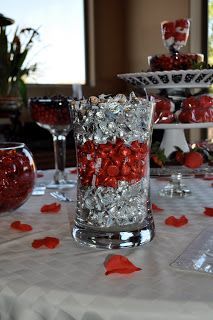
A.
x: 174, y: 135
x: 173, y: 81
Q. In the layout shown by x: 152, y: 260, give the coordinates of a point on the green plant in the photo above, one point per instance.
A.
x: 13, y: 67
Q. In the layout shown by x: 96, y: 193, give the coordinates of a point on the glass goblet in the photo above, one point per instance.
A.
x: 175, y: 187
x: 54, y: 115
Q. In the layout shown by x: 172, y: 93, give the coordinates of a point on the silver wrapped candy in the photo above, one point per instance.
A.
x: 113, y: 183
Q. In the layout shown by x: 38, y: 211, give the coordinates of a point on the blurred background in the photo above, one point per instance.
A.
x: 80, y: 47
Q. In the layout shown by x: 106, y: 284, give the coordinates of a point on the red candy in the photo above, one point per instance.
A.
x: 50, y: 111
x: 112, y: 170
x: 107, y: 164
x: 17, y: 177
x: 196, y: 110
x: 180, y: 61
x: 119, y: 264
x: 51, y: 208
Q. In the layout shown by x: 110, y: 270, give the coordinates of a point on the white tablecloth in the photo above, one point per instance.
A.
x: 69, y: 282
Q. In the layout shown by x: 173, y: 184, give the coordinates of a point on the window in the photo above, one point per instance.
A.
x: 60, y: 53
x: 210, y: 46
x: 210, y: 32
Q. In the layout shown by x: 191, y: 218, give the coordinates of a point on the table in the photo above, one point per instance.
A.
x: 69, y: 283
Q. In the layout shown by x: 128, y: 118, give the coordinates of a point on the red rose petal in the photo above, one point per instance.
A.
x: 119, y: 264
x: 51, y: 208
x: 156, y: 208
x: 208, y: 212
x: 37, y: 243
x: 15, y: 224
x: 176, y: 222
x: 208, y: 177
x: 21, y: 226
x: 49, y: 242
x: 74, y: 171
x: 25, y: 227
x: 39, y: 175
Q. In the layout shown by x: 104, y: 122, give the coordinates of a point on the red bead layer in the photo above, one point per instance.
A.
x: 107, y: 164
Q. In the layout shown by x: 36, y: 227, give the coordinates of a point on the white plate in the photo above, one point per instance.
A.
x: 170, y: 79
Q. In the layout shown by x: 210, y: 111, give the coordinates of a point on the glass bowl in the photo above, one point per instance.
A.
x: 17, y: 175
x: 177, y: 61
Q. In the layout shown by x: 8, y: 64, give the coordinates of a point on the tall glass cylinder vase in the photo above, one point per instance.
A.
x: 113, y: 136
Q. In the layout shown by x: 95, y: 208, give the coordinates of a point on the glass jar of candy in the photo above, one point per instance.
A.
x: 17, y: 175
x: 113, y: 136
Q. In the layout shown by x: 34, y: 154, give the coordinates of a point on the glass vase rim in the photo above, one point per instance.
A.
x: 50, y: 99
x: 4, y: 145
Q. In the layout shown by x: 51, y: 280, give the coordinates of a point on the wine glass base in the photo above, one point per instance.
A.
x: 63, y: 184
x: 175, y: 188
x: 171, y: 192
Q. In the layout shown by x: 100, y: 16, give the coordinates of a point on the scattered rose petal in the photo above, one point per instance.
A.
x: 119, y: 264
x: 73, y: 171
x: 208, y: 212
x: 51, y: 208
x: 156, y: 208
x: 15, y: 224
x: 18, y: 225
x: 210, y: 177
x: 37, y: 243
x: 39, y: 175
x: 48, y: 242
x: 176, y: 222
x: 51, y: 242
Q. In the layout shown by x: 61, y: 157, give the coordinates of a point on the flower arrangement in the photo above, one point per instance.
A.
x: 13, y: 54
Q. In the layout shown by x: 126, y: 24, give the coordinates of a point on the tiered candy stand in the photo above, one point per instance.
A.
x: 173, y: 82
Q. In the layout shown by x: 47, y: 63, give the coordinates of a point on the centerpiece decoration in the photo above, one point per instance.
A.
x: 113, y: 136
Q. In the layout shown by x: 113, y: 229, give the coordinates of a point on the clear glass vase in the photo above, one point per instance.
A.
x: 113, y: 136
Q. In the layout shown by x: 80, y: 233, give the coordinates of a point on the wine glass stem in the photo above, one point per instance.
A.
x: 59, y: 143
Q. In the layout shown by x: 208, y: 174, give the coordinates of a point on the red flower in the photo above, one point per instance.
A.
x: 119, y: 264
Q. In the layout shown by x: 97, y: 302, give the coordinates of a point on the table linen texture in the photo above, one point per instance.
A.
x: 69, y: 282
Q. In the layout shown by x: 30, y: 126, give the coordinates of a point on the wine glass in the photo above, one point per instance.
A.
x: 175, y: 187
x: 53, y: 114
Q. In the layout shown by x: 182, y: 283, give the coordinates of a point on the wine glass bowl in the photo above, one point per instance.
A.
x: 17, y: 175
x: 53, y: 114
